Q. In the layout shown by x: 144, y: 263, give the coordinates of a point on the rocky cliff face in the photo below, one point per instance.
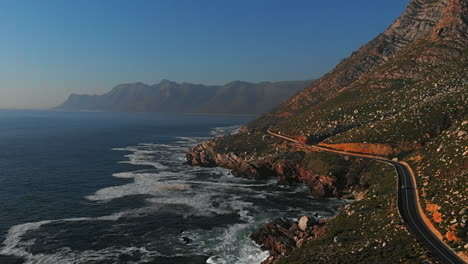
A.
x: 416, y: 74
x: 422, y: 19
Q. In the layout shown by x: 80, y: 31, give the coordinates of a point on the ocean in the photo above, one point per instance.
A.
x: 91, y: 187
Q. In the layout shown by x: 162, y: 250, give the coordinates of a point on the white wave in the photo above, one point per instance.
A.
x: 223, y: 131
x: 174, y: 188
x: 68, y: 256
x: 171, y: 186
x: 141, y: 157
x: 13, y: 244
x: 234, y: 245
x: 249, y: 253
x: 228, y: 184
x: 190, y: 141
x: 143, y: 183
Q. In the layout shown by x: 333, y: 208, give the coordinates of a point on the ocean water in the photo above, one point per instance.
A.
x: 113, y: 188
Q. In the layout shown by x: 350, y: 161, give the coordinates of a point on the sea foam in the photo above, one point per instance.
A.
x: 168, y: 185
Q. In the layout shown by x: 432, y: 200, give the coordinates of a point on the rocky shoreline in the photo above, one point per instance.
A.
x: 281, y: 235
x: 287, y: 169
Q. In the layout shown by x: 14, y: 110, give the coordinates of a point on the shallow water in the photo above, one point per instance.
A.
x: 112, y: 188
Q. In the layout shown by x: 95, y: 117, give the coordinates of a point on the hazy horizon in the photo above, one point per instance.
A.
x: 54, y: 48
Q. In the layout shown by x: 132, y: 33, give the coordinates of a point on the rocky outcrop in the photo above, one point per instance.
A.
x: 283, y: 235
x: 286, y: 170
x: 205, y: 155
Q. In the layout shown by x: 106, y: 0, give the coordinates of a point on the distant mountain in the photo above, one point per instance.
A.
x: 233, y: 98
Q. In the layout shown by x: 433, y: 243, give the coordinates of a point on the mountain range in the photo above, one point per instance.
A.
x: 236, y: 97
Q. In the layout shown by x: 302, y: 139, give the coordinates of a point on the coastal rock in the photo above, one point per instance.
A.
x: 305, y: 222
x: 283, y: 235
x: 286, y: 170
x: 185, y: 240
x: 276, y: 236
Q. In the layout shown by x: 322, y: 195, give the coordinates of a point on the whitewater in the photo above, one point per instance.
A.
x: 209, y: 207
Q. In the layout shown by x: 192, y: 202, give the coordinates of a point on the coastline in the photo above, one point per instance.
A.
x: 281, y: 239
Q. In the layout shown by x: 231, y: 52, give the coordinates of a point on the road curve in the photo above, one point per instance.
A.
x: 408, y: 203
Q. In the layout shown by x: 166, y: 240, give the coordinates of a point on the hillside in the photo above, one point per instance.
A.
x: 170, y: 97
x: 403, y: 94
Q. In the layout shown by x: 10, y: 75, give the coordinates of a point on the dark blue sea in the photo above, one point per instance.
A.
x: 113, y: 188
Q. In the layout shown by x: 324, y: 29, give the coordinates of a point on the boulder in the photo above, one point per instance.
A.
x: 303, y: 223
x: 283, y: 235
x: 306, y: 222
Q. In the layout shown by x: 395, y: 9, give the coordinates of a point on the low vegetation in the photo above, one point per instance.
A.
x: 406, y: 99
x: 366, y: 231
x: 442, y: 170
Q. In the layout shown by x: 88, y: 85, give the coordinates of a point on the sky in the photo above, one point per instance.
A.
x: 52, y: 48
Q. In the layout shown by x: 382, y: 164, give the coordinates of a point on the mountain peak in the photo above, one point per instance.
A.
x: 454, y: 22
x: 127, y: 86
x: 166, y: 82
x: 237, y: 83
x: 438, y: 19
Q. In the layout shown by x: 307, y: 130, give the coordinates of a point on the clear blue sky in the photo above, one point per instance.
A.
x: 51, y: 48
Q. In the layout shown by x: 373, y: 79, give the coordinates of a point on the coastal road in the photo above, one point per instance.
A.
x: 408, y: 203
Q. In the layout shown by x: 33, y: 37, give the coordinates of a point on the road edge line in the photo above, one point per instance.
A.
x: 424, y: 217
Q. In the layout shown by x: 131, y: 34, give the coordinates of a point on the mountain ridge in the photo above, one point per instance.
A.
x: 236, y: 97
x: 421, y: 19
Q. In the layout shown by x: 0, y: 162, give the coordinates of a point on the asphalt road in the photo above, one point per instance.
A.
x: 407, y: 205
